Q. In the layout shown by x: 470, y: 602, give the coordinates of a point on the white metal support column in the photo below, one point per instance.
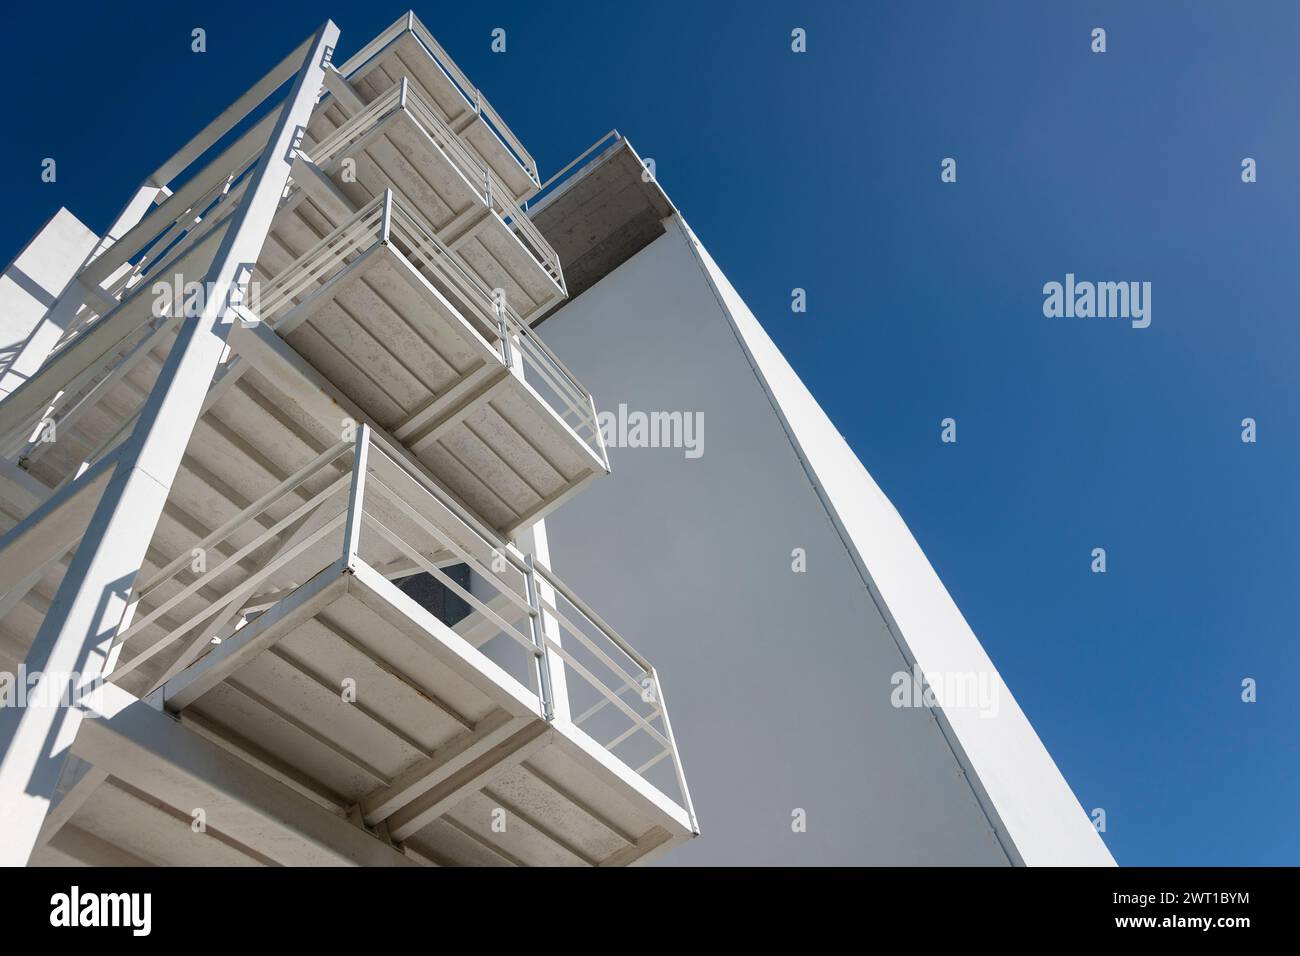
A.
x: 70, y: 647
x: 533, y: 542
x: 356, y: 498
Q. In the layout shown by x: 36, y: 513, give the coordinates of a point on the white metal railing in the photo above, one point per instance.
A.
x: 473, y: 97
x: 512, y: 596
x: 489, y: 187
x: 631, y: 712
x: 193, y: 223
x: 284, y: 536
x: 477, y: 100
x: 387, y: 218
x: 201, y: 219
x: 182, y: 232
x: 401, y: 96
x: 364, y: 502
x: 560, y: 177
x: 550, y: 377
x: 173, y: 239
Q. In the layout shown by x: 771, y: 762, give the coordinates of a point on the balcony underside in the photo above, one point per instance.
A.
x: 406, y: 57
x: 440, y: 751
x: 268, y: 418
x: 440, y: 389
x: 399, y: 154
x: 383, y: 335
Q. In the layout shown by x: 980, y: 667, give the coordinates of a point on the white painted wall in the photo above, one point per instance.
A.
x: 780, y: 683
x: 27, y: 290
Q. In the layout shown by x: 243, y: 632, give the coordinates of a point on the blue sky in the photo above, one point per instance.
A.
x: 821, y: 171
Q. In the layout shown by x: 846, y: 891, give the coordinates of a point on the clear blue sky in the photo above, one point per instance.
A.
x: 822, y: 171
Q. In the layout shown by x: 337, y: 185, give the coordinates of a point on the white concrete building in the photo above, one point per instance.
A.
x: 790, y: 686
x: 284, y: 462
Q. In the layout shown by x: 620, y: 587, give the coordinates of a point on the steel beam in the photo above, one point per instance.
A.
x: 164, y: 759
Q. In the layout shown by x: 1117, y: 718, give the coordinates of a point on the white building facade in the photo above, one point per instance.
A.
x: 740, y: 534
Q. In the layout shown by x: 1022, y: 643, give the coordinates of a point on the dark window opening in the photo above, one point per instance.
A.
x: 435, y: 597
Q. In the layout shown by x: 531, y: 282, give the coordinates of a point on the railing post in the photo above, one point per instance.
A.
x: 401, y: 94
x: 356, y: 498
x: 503, y: 329
x: 386, y: 220
x: 595, y: 426
x: 537, y: 629
x: 676, y: 755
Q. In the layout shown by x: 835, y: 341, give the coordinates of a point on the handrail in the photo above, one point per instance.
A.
x: 473, y: 97
x: 496, y: 193
x: 175, y: 238
x: 478, y: 102
x: 315, y: 265
x: 383, y: 217
x: 570, y: 637
x: 365, y: 502
x: 541, y: 195
x: 482, y: 178
x: 594, y: 618
x: 422, y: 241
x: 350, y: 128
x: 387, y: 215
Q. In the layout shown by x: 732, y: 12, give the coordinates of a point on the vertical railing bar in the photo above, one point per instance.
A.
x: 677, y: 757
x: 356, y: 502
x: 503, y: 329
x: 595, y: 427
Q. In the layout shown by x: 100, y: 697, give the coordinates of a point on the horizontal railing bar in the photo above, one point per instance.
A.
x: 325, y: 255
x: 478, y: 103
x: 492, y: 190
x: 447, y: 581
x: 64, y: 417
x: 307, y: 506
x: 605, y: 659
x: 596, y: 708
x: 653, y: 760
x: 451, y: 143
x: 594, y: 618
x: 350, y: 129
x: 600, y: 686
x: 571, y: 403
x: 525, y: 331
x: 232, y: 599
x: 634, y: 729
x: 498, y: 543
x: 446, y: 539
x: 254, y: 509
